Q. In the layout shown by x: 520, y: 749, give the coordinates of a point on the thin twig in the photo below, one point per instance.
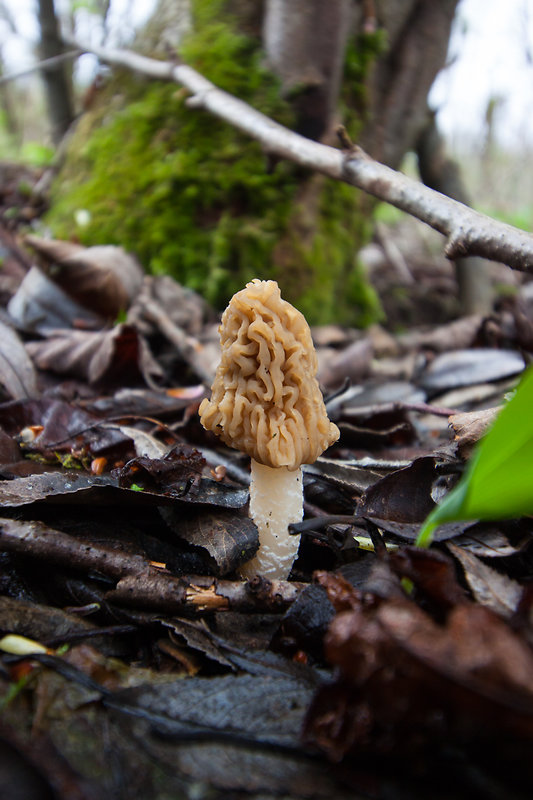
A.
x: 46, y: 64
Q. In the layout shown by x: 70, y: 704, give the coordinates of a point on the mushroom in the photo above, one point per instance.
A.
x: 266, y: 402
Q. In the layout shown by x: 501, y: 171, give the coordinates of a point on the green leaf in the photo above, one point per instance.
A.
x: 498, y: 483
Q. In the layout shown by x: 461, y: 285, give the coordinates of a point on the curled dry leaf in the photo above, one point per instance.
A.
x: 490, y: 588
x: 353, y: 362
x: 183, y: 307
x: 39, y: 305
x: 470, y: 426
x: 117, y: 356
x: 454, y: 335
x: 103, y: 278
x: 17, y: 373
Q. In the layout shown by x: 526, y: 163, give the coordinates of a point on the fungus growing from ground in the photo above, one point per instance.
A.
x: 266, y: 402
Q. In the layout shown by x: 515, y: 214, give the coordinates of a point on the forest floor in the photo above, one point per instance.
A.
x: 378, y: 670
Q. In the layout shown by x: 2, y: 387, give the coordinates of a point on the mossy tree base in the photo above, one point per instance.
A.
x: 193, y: 198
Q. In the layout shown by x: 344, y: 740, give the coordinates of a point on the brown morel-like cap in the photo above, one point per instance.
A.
x: 265, y: 398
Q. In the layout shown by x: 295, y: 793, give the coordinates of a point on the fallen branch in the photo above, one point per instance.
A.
x: 170, y: 594
x: 141, y: 584
x: 468, y: 232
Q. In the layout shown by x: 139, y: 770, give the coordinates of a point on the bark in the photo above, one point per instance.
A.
x: 441, y: 173
x: 202, y: 593
x: 468, y: 232
x: 418, y: 32
x: 169, y: 23
x: 58, y: 89
x: 305, y: 43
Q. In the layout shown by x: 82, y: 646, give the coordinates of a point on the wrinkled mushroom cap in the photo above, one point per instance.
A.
x: 265, y: 398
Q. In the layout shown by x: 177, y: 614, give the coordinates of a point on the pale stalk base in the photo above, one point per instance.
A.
x: 276, y: 500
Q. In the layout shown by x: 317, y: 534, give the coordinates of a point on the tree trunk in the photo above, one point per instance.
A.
x: 372, y: 61
x: 8, y: 106
x: 58, y: 89
x: 305, y: 43
x: 442, y: 174
x: 397, y: 88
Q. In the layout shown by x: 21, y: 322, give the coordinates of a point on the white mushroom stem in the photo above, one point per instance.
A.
x: 276, y: 501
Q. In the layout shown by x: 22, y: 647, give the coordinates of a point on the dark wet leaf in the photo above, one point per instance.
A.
x: 306, y: 622
x: 81, y: 487
x: 353, y: 477
x: 229, y: 539
x: 17, y: 374
x: 409, y: 532
x: 248, y: 732
x: 218, y: 494
x: 65, y: 428
x: 269, y: 710
x: 392, y: 429
x: 404, y: 496
x: 177, y: 474
x: 45, y: 623
x: 10, y: 452
x: 485, y: 540
x: 467, y: 367
x: 198, y: 637
x: 21, y: 491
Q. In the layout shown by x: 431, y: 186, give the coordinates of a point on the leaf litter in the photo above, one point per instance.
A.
x: 378, y: 670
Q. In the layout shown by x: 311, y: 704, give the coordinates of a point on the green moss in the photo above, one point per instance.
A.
x: 361, y: 52
x: 192, y: 197
x: 183, y: 190
x: 334, y: 286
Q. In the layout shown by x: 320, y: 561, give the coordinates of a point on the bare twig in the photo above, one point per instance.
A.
x: 55, y: 547
x: 468, y: 232
x: 45, y: 64
x: 202, y: 593
x: 188, y: 347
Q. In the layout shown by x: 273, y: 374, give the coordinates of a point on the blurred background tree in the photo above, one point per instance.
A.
x: 196, y: 199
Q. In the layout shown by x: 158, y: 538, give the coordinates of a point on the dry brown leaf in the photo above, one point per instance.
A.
x: 103, y: 278
x: 40, y: 305
x: 470, y: 426
x: 17, y: 374
x: 490, y: 588
x: 115, y: 356
x: 408, y: 684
